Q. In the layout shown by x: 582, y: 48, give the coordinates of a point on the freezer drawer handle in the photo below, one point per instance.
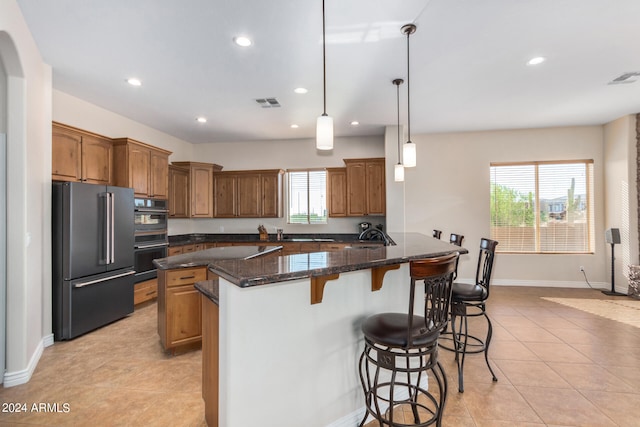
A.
x: 91, y: 282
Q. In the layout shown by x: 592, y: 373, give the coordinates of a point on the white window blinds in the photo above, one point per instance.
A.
x: 307, y: 197
x: 543, y: 207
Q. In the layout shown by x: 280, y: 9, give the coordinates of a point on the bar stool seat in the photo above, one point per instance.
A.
x: 401, y: 351
x: 469, y: 292
x: 391, y: 329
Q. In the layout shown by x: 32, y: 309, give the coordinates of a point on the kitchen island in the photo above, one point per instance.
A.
x: 281, y: 335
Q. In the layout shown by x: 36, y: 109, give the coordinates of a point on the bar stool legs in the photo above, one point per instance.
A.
x: 463, y: 342
x: 395, y: 386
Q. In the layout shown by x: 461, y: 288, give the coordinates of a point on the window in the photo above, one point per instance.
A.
x: 307, y: 197
x: 543, y: 207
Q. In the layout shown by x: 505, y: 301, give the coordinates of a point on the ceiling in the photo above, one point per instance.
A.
x: 468, y: 63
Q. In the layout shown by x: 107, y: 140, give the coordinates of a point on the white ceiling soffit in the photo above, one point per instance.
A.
x: 468, y: 63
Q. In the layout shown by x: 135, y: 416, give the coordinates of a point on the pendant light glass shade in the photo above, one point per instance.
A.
x: 324, y: 133
x: 398, y: 173
x: 409, y: 154
x: 324, y: 126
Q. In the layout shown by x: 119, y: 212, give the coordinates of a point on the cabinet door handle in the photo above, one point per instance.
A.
x: 187, y: 277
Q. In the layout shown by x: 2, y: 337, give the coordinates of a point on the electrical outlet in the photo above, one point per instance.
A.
x: 582, y: 269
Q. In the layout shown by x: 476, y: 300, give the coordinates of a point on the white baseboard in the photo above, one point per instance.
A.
x: 349, y: 420
x: 11, y: 379
x: 550, y: 283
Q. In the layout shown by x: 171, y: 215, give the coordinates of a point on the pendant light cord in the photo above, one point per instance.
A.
x: 324, y: 66
x: 408, y: 92
x: 398, y: 102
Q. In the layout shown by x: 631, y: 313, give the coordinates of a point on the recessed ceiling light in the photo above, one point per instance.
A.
x: 294, y: 126
x: 243, y: 41
x: 201, y: 119
x: 300, y: 90
x: 537, y: 60
x: 134, y: 82
x: 355, y: 123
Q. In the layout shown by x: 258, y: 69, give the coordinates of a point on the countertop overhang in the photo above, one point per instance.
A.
x: 265, y: 270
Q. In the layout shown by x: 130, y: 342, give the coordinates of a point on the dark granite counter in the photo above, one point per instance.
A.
x: 204, y: 258
x: 260, y: 271
x: 210, y: 289
x: 187, y: 239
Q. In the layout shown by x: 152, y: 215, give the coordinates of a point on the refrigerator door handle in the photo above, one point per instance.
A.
x: 113, y: 236
x: 104, y: 279
x: 107, y: 223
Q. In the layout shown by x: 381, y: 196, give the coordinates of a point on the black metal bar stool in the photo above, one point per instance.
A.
x: 469, y: 300
x: 401, y: 349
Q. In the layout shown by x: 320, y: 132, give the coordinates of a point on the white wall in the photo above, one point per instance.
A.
x: 28, y: 125
x: 76, y: 112
x: 449, y: 190
x: 621, y: 196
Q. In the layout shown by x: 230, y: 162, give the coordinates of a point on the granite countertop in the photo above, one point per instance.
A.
x: 210, y: 289
x: 261, y: 271
x: 187, y: 239
x: 205, y: 257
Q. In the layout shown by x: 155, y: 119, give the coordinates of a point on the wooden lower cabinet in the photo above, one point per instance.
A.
x: 145, y: 291
x: 210, y: 360
x: 179, y: 307
x: 175, y: 250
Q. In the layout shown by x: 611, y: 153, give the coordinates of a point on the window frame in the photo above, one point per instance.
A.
x: 326, y: 212
x: 589, y: 203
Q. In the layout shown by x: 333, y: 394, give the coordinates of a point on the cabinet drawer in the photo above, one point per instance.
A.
x: 145, y: 291
x: 186, y: 276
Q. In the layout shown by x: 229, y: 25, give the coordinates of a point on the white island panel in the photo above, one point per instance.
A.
x: 286, y: 362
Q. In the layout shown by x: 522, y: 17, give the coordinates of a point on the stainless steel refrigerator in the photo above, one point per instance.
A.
x: 92, y: 256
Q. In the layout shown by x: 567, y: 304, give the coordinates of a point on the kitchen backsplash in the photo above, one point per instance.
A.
x: 250, y: 225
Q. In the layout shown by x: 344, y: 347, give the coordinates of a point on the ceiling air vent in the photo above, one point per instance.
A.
x: 268, y: 102
x: 625, y: 78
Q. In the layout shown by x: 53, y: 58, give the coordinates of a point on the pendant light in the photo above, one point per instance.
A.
x: 398, y: 172
x: 324, y: 126
x: 409, y: 148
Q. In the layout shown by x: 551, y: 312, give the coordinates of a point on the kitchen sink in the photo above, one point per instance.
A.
x: 310, y: 240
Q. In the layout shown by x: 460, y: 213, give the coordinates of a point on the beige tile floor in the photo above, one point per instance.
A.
x: 557, y: 366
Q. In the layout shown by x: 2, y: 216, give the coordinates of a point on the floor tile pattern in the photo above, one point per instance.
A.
x: 557, y: 366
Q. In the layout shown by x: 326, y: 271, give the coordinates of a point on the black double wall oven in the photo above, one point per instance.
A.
x: 151, y: 241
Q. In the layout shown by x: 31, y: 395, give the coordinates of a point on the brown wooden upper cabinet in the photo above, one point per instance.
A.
x: 143, y: 167
x: 248, y: 194
x: 178, y: 192
x: 365, y: 187
x: 199, y: 188
x: 337, y: 191
x: 78, y: 155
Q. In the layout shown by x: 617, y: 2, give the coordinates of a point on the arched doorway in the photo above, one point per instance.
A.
x: 12, y: 99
